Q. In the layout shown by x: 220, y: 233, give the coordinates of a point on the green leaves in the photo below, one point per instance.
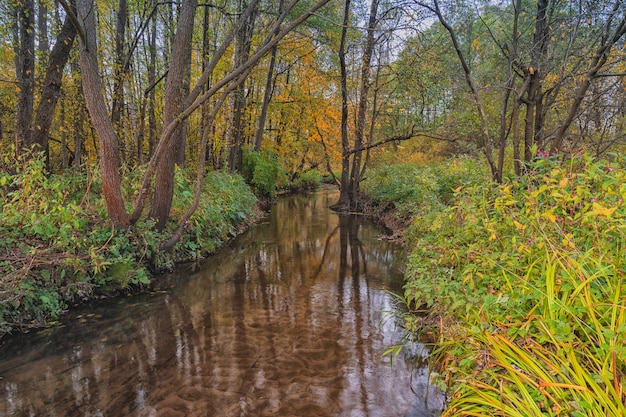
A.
x: 533, y: 273
x: 59, y: 249
x: 414, y: 189
x: 263, y: 172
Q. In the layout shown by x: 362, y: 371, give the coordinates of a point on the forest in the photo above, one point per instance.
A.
x: 490, y: 133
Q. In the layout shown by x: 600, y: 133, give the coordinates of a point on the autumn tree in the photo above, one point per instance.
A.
x: 267, y: 92
x: 180, y: 102
x: 51, y: 89
x: 243, y: 45
x: 38, y: 72
x: 528, y: 57
x: 381, y: 23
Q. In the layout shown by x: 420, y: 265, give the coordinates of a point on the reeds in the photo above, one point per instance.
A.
x: 568, y: 360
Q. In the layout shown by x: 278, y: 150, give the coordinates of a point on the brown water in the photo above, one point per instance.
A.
x: 286, y: 320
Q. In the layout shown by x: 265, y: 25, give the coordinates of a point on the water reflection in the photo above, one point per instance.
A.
x: 285, y: 321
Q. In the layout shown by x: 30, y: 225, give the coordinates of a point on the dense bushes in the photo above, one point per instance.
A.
x: 416, y: 188
x: 306, y: 180
x: 267, y: 176
x: 263, y: 172
x: 533, y: 274
x: 56, y: 248
x: 226, y: 205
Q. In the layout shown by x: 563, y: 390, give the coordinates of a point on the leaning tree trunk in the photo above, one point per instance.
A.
x: 267, y: 97
x: 267, y: 94
x: 92, y: 89
x: 52, y: 86
x: 469, y: 79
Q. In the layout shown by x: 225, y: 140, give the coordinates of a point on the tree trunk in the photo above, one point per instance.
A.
x: 344, y: 188
x: 534, y: 74
x: 141, y: 131
x: 52, y: 86
x: 511, y: 55
x: 118, y: 69
x: 207, y: 129
x: 152, y: 124
x: 64, y: 147
x: 372, y: 122
x: 25, y: 72
x: 78, y: 140
x: 42, y: 29
x: 76, y: 120
x: 267, y: 97
x: 242, y: 54
x: 174, y: 96
x: 92, y: 89
x: 366, y: 64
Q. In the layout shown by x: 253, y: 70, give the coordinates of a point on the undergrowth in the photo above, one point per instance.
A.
x: 528, y: 279
x: 263, y: 172
x: 267, y: 176
x: 414, y: 188
x: 56, y: 248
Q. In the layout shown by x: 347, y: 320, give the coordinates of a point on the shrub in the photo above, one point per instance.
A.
x: 533, y: 273
x: 37, y: 215
x: 226, y: 206
x: 417, y: 188
x: 57, y: 248
x: 263, y: 172
x: 307, y: 180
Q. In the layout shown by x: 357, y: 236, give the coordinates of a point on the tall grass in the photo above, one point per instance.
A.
x: 564, y: 358
x: 530, y: 278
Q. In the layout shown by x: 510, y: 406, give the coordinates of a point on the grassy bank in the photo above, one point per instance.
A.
x: 56, y: 249
x: 528, y: 279
x: 400, y: 192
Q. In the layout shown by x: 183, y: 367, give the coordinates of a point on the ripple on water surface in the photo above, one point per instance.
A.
x: 287, y: 320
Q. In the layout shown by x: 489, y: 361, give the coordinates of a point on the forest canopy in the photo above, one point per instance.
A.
x: 327, y: 85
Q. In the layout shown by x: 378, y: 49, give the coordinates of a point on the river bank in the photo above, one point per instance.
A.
x: 57, y: 251
x: 526, y: 280
x: 291, y: 318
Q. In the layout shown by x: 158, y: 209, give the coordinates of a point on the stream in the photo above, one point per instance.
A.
x: 291, y: 318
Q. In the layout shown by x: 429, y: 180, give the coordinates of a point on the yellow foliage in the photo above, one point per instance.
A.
x: 549, y: 216
x: 599, y: 210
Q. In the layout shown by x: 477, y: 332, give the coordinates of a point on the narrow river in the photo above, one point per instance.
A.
x: 287, y: 320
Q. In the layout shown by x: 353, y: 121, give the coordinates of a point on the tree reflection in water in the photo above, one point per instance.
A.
x: 284, y: 321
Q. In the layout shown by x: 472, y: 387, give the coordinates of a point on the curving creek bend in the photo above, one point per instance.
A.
x: 286, y: 320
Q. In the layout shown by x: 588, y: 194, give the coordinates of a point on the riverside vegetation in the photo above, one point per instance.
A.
x: 526, y: 280
x: 57, y: 249
x: 526, y: 277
